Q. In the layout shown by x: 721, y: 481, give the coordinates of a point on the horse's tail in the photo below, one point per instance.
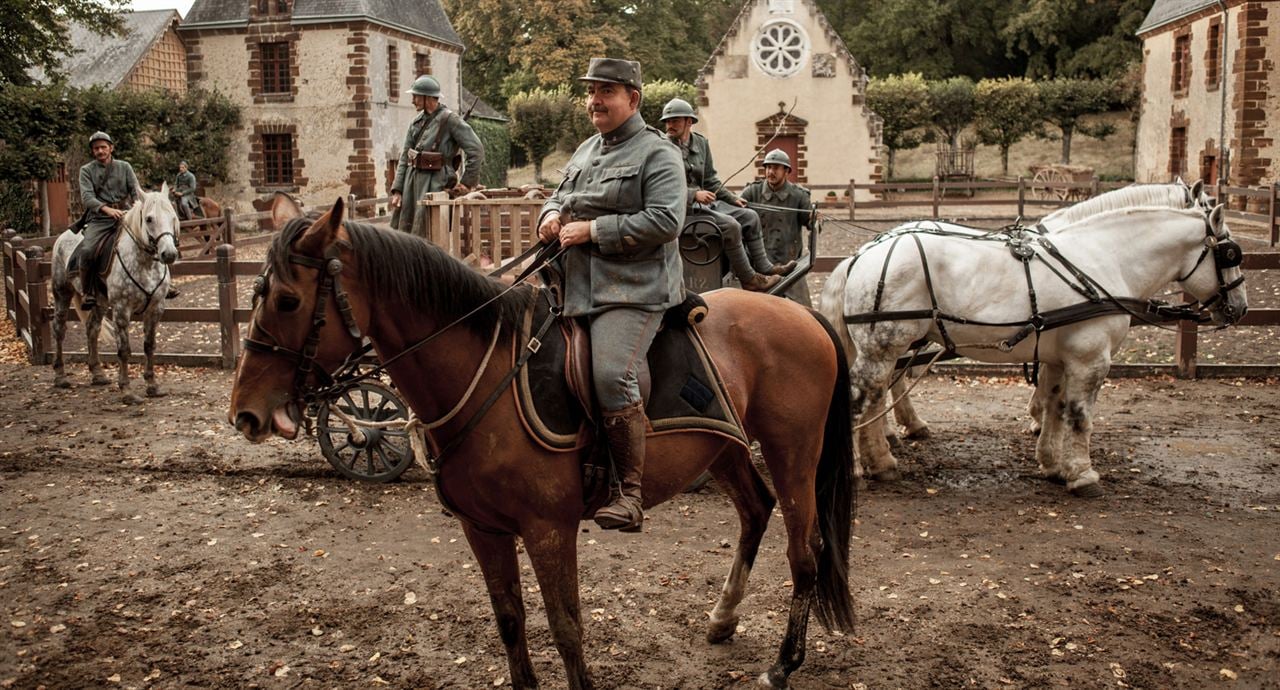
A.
x: 836, y: 500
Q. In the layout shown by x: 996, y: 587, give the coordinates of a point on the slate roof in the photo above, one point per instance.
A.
x: 1166, y: 11
x: 424, y: 18
x: 107, y: 60
x: 482, y: 110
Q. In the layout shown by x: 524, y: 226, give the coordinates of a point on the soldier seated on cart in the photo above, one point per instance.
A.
x: 773, y: 196
x: 708, y: 199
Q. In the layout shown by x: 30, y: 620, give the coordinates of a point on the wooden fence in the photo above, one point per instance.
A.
x: 473, y: 230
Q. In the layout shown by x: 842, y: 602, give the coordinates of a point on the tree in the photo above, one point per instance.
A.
x: 658, y: 93
x: 536, y: 120
x: 1006, y: 111
x: 1065, y: 101
x: 34, y: 33
x: 902, y: 101
x: 951, y: 107
x: 1076, y: 38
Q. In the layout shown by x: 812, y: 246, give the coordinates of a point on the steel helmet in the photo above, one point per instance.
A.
x: 425, y: 85
x: 101, y: 136
x: 777, y: 157
x: 677, y: 107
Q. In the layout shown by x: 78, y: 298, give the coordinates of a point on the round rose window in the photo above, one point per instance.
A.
x: 780, y: 48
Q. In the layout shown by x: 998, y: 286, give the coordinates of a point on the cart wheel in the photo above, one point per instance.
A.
x: 694, y: 245
x: 385, y: 453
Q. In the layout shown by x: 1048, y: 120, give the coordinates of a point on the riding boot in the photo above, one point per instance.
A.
x: 624, y: 430
x: 741, y: 267
x: 88, y: 287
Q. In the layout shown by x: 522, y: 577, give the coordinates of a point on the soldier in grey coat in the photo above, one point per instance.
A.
x: 429, y: 160
x: 782, y: 237
x: 708, y: 198
x: 618, y: 211
x: 108, y: 187
x: 184, y: 187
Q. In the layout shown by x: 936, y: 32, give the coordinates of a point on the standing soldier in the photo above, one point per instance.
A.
x: 184, y: 187
x: 108, y: 187
x: 431, y: 156
x: 618, y: 212
x: 708, y: 198
x: 782, y: 238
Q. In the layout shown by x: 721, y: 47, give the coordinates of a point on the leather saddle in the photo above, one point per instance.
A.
x: 101, y: 260
x: 681, y: 387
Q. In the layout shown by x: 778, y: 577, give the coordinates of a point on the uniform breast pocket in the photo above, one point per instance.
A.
x: 621, y: 185
x: 570, y: 179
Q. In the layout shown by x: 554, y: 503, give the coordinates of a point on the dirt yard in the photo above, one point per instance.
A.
x: 153, y: 547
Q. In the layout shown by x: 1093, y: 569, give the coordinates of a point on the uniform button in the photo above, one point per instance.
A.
x: 596, y: 162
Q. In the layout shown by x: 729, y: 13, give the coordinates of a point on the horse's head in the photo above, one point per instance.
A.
x: 305, y: 322
x: 154, y: 222
x: 1216, y: 279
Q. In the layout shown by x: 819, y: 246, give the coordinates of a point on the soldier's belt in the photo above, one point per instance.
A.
x: 426, y: 160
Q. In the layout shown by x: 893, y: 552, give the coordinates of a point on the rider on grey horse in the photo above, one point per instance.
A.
x: 108, y: 187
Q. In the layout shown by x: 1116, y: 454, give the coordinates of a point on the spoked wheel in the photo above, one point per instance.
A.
x: 696, y: 244
x: 385, y: 453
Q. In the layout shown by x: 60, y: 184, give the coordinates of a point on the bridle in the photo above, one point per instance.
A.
x: 152, y: 250
x: 1226, y: 254
x: 330, y: 268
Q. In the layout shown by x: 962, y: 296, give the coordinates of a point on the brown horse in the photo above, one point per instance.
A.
x: 209, y: 207
x: 781, y: 364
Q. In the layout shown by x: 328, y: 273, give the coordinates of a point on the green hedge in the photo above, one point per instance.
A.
x: 497, y: 151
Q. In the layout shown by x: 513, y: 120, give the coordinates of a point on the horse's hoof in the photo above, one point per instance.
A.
x: 1093, y: 490
x: 721, y: 632
x: 1054, y: 479
x: 155, y: 392
x: 131, y: 399
x: 767, y: 680
x: 61, y: 382
x: 919, y: 433
x: 890, y: 475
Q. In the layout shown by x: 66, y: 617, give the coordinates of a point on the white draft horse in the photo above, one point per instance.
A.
x: 874, y: 435
x: 145, y: 246
x: 969, y: 286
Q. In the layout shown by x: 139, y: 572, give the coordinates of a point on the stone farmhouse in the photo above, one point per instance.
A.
x: 782, y: 72
x: 1210, y: 92
x: 321, y: 84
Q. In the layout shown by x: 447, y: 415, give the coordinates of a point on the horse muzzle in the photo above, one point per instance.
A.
x: 283, y: 422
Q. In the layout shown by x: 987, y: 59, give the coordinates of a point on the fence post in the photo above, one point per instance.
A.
x: 1184, y: 351
x: 1093, y: 187
x: 935, y: 197
x: 9, y: 234
x: 37, y: 299
x: 228, y: 227
x: 21, y: 316
x: 1022, y: 196
x: 227, y: 327
x: 351, y: 206
x: 1275, y: 213
x: 852, y: 197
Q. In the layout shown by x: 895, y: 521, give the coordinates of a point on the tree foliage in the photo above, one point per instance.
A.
x: 497, y: 151
x: 1065, y: 101
x: 951, y: 107
x: 1075, y: 38
x: 537, y: 117
x: 658, y: 93
x: 1006, y: 111
x: 34, y: 33
x: 902, y: 101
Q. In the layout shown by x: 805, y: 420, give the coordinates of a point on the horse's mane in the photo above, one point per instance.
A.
x: 134, y: 215
x: 400, y: 266
x: 1163, y: 195
x: 1129, y: 210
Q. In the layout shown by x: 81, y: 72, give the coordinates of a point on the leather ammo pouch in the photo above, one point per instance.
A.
x: 429, y: 160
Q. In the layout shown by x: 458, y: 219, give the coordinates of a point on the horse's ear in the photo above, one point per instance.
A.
x: 1197, y: 190
x: 1216, y: 218
x: 1179, y: 180
x: 284, y: 209
x: 324, y: 231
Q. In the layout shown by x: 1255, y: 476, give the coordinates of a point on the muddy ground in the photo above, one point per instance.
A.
x: 152, y: 547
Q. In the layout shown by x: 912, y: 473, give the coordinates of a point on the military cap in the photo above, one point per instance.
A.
x: 677, y: 107
x: 101, y: 136
x: 426, y: 85
x: 613, y: 70
x: 777, y: 157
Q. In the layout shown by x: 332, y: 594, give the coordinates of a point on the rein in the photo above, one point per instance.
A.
x: 151, y: 249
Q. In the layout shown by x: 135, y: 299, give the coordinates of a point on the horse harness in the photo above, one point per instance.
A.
x: 151, y: 249
x: 1022, y: 243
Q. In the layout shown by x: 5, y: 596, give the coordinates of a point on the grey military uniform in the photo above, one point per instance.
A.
x: 413, y: 183
x: 738, y: 225
x: 783, y: 239
x: 114, y: 184
x: 185, y: 185
x: 630, y: 182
